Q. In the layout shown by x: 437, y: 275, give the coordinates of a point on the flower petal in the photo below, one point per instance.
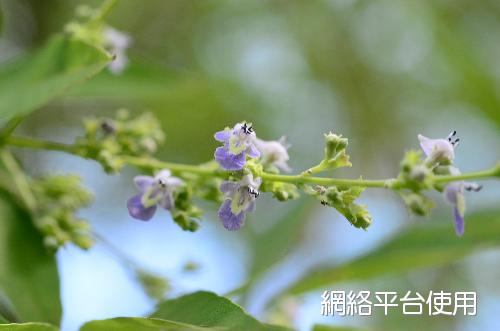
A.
x: 163, y: 174
x: 230, y: 221
x: 252, y: 151
x: 229, y: 161
x: 167, y: 201
x: 138, y: 211
x: 143, y: 182
x: 223, y: 136
x: 229, y: 188
x: 459, y: 222
x: 427, y: 144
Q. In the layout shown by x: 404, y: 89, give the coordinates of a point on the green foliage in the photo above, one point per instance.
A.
x: 321, y: 327
x: 197, y: 311
x: 28, y: 272
x: 47, y: 74
x: 140, y: 324
x: 28, y: 327
x: 209, y: 310
x: 422, y: 246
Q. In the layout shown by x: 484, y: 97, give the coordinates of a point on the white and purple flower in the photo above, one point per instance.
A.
x: 117, y: 42
x: 154, y: 191
x: 238, y: 143
x: 443, y: 151
x: 454, y: 194
x: 274, y: 153
x: 240, y: 200
x: 439, y: 150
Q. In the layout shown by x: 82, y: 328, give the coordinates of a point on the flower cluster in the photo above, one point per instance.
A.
x: 417, y: 175
x: 251, y: 165
x: 107, y: 140
x: 58, y: 199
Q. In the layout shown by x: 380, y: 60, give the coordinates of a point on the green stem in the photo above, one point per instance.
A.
x: 10, y: 127
x: 153, y: 164
x: 19, y: 179
x: 41, y: 144
x: 483, y: 174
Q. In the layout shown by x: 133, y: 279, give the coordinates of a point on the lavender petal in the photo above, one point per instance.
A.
x: 229, y: 188
x: 223, y: 136
x: 459, y: 222
x: 252, y: 151
x: 229, y: 161
x: 143, y: 182
x: 167, y: 201
x: 230, y: 221
x: 138, y: 211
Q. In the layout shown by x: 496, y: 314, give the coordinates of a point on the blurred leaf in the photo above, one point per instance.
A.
x: 34, y: 80
x: 269, y: 247
x: 422, y: 246
x: 272, y: 245
x: 1, y: 18
x: 28, y: 272
x: 209, y: 310
x: 320, y: 327
x: 28, y: 327
x: 139, y: 324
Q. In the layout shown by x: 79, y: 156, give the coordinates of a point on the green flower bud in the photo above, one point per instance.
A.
x: 334, y: 144
x: 418, y: 204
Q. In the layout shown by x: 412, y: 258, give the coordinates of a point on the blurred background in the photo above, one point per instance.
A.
x: 379, y: 72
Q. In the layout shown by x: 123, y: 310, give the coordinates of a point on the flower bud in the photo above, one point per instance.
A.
x: 418, y: 204
x: 334, y: 144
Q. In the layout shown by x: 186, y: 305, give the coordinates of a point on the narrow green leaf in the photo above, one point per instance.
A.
x: 272, y: 245
x: 422, y: 246
x: 28, y: 327
x: 28, y: 272
x: 206, y: 309
x: 34, y: 80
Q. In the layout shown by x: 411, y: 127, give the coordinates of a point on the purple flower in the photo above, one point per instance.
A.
x: 439, y: 150
x: 238, y: 143
x: 240, y: 199
x: 274, y: 153
x: 454, y: 194
x: 154, y: 191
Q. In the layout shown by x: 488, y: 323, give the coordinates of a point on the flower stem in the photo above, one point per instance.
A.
x: 154, y: 164
x: 19, y: 179
x: 41, y: 144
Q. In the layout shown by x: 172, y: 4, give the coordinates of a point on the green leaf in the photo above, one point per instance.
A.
x: 38, y: 78
x: 209, y: 310
x: 272, y: 245
x: 321, y: 327
x: 28, y: 327
x: 197, y: 311
x: 422, y: 246
x: 139, y: 324
x: 28, y: 272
